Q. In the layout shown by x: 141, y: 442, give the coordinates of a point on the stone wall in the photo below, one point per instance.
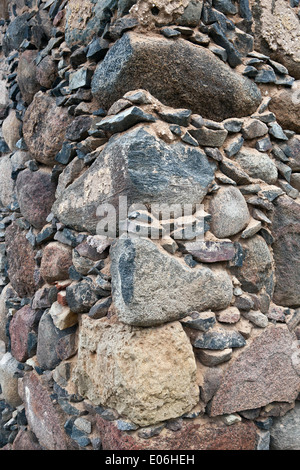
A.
x: 165, y: 333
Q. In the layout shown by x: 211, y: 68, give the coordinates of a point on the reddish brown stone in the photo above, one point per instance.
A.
x: 36, y: 194
x: 210, y: 251
x: 23, y: 323
x: 44, y: 128
x: 199, y: 434
x: 56, y: 261
x: 264, y: 372
x: 61, y: 298
x: 286, y: 249
x: 27, y: 82
x: 44, y: 418
x: 46, y: 72
x: 20, y: 255
x: 26, y: 440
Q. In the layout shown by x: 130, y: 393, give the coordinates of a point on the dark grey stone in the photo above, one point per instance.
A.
x: 48, y: 338
x: 124, y: 120
x: 150, y: 164
x: 219, y: 339
x: 81, y: 296
x: 158, y: 61
x: 265, y: 74
x: 97, y: 49
x: 233, y: 55
x: 176, y: 116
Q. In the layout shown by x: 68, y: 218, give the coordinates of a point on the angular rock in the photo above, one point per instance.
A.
x: 285, y: 230
x: 84, y: 20
x: 150, y: 167
x: 245, y: 387
x: 254, y: 128
x: 202, y: 321
x: 229, y: 315
x: 131, y: 380
x: 257, y: 318
x: 23, y: 333
x: 26, y: 77
x: 257, y: 165
x: 257, y: 269
x: 44, y: 418
x: 219, y: 339
x: 273, y: 28
x: 49, y: 342
x: 124, y: 120
x: 209, y: 251
x: 229, y: 212
x: 36, y: 194
x: 211, y: 358
x: 82, y: 296
x: 4, y: 99
x: 78, y: 129
x: 19, y: 254
x: 194, y: 62
x: 181, y: 117
x: 140, y: 296
x: 44, y: 128
x: 46, y: 72
x: 209, y: 137
x: 62, y: 316
x: 56, y: 261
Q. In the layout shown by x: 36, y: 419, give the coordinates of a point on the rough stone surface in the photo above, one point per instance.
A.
x: 257, y: 269
x: 286, y: 232
x: 7, y: 185
x: 11, y: 130
x: 142, y: 296
x: 257, y: 165
x: 285, y: 104
x: 19, y: 254
x: 56, y: 261
x: 116, y: 367
x: 155, y: 172
x: 264, y: 372
x: 43, y: 417
x: 44, y: 128
x: 9, y: 380
x: 23, y: 333
x: 229, y: 212
x: 284, y: 431
x: 26, y: 78
x: 274, y: 27
x: 36, y: 194
x: 49, y: 340
x: 200, y: 434
x: 179, y: 79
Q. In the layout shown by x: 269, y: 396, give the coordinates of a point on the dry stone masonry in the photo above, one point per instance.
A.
x: 171, y: 330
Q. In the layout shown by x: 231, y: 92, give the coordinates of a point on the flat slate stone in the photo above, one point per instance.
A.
x: 124, y: 120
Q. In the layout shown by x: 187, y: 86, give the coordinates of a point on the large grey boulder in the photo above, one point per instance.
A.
x: 178, y: 73
x: 141, y: 167
x: 151, y: 287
